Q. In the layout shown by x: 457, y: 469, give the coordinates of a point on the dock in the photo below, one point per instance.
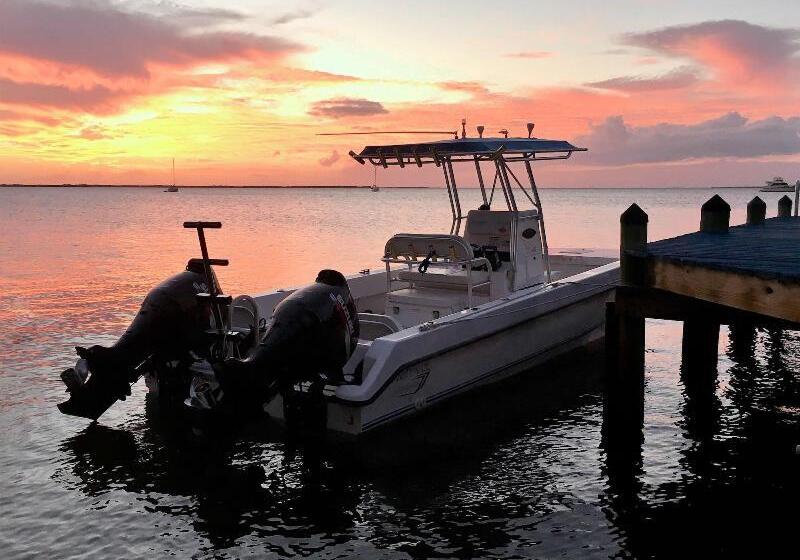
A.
x: 744, y: 276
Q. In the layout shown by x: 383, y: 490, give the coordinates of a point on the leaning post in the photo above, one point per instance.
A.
x: 756, y: 212
x: 784, y: 207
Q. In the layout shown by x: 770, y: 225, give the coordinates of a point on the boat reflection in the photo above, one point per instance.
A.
x: 249, y: 483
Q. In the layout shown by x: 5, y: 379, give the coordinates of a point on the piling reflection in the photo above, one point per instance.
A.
x: 735, y: 464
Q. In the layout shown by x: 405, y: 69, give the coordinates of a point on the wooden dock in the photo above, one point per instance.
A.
x: 744, y: 276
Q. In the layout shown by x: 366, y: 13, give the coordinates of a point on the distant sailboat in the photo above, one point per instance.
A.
x: 173, y: 188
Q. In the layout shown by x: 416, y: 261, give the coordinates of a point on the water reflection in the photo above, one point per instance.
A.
x: 394, y: 481
x: 737, y: 466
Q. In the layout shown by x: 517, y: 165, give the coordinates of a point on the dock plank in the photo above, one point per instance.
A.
x: 768, y: 251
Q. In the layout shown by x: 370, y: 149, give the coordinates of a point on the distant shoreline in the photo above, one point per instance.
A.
x: 358, y: 187
x: 81, y: 185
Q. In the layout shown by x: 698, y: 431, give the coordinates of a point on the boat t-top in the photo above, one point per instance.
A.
x: 445, y: 313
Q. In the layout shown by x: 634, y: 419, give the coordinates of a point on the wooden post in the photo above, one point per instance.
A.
x: 623, y: 402
x: 625, y: 335
x: 699, y: 348
x: 796, y: 197
x: 784, y: 207
x: 756, y: 212
x: 741, y: 335
x: 632, y: 244
x: 715, y: 215
x: 699, y: 375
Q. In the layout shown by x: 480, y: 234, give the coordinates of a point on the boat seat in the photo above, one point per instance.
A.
x: 375, y: 325
x: 447, y: 278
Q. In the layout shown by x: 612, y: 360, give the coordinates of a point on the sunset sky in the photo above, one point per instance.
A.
x: 662, y: 93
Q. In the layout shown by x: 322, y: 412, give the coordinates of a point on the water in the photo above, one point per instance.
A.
x: 519, y: 472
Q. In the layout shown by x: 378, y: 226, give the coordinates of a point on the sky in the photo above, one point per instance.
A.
x: 662, y: 93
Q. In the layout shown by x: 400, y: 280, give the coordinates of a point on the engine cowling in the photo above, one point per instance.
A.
x: 170, y: 323
x: 314, y: 331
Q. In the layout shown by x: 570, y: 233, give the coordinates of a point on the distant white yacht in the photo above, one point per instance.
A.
x: 777, y: 184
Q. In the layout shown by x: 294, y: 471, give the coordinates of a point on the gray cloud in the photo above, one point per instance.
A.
x: 614, y: 142
x: 292, y: 16
x: 346, y: 107
x: 678, y: 78
x: 40, y: 95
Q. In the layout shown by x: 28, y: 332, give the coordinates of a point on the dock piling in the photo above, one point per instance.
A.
x: 632, y: 243
x: 756, y: 212
x: 715, y: 215
x: 625, y: 333
x: 699, y: 351
x: 784, y: 207
x: 745, y: 276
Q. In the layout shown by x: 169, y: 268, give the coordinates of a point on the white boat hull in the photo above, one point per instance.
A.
x: 418, y: 367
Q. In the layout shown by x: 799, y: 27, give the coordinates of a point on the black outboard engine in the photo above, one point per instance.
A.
x: 313, y: 333
x: 171, y: 324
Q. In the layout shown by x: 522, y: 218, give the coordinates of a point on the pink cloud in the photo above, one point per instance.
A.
x: 737, y: 51
x: 474, y: 88
x: 330, y: 160
x: 110, y: 41
x: 529, y: 54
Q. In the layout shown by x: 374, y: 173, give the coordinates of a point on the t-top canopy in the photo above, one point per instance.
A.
x: 513, y: 149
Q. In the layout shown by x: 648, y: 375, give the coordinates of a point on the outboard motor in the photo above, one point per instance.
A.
x: 170, y: 325
x: 313, y: 333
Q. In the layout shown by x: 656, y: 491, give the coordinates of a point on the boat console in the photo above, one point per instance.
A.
x: 442, y: 274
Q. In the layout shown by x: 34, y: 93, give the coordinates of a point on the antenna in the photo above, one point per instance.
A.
x: 463, y: 128
x: 480, y: 130
x: 530, y: 129
x: 504, y: 132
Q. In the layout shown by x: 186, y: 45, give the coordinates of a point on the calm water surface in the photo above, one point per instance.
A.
x: 518, y: 472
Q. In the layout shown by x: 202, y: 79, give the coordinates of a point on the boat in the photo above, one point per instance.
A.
x: 450, y: 312
x: 173, y: 187
x: 777, y: 184
x: 444, y: 314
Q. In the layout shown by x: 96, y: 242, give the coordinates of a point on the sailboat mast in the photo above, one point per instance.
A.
x: 173, y: 172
